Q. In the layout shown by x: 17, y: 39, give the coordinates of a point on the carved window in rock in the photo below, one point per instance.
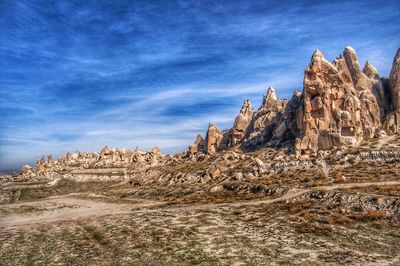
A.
x: 347, y: 131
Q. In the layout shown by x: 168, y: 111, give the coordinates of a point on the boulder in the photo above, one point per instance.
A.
x: 214, y: 171
x: 260, y: 163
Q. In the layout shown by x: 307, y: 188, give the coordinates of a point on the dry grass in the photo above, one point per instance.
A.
x: 298, y: 232
x: 388, y: 190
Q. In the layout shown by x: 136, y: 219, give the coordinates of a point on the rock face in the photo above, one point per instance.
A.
x: 340, y: 105
x: 392, y: 121
x: 214, y: 139
x: 242, y: 120
x: 198, y: 145
x: 395, y: 81
x: 331, y: 109
x: 270, y: 106
x: 377, y: 88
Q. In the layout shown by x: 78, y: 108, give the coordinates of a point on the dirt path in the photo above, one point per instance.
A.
x: 67, y: 208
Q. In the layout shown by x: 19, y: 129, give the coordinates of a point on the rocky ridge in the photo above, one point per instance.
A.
x: 110, y: 163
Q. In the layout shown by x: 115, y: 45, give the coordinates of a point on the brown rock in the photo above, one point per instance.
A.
x: 214, y: 139
x: 378, y: 89
x: 270, y: 107
x: 339, y: 105
x: 105, y: 151
x: 214, y: 171
x: 242, y: 120
x: 395, y: 81
x: 392, y: 120
x: 198, y: 146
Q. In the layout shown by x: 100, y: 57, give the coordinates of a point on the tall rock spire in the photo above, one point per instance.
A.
x: 241, y: 123
x: 320, y: 75
x: 269, y: 99
x: 392, y: 120
x: 395, y: 81
x: 370, y: 70
x: 353, y: 64
x: 213, y: 139
x: 377, y: 88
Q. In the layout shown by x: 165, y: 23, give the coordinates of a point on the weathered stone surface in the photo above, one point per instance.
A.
x: 395, y: 81
x: 392, y: 120
x: 370, y: 111
x: 214, y: 139
x: 242, y: 120
x: 323, y: 86
x: 269, y: 108
x: 378, y: 89
x: 198, y: 145
x: 339, y: 106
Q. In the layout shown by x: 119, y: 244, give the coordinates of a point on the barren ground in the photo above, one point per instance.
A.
x: 88, y: 228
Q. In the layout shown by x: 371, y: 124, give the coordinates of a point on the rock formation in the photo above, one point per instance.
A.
x: 395, y: 81
x: 340, y: 105
x: 242, y: 120
x: 377, y: 88
x: 78, y: 164
x: 392, y: 121
x: 198, y: 145
x: 270, y: 106
x: 214, y: 139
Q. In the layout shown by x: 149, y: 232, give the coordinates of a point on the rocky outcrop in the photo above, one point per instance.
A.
x: 242, y: 121
x: 214, y: 139
x: 392, y: 121
x: 269, y: 108
x: 378, y: 89
x: 395, y: 81
x: 198, y: 145
x: 85, y: 165
x: 340, y: 105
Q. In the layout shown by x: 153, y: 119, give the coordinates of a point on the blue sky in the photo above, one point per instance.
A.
x: 84, y: 74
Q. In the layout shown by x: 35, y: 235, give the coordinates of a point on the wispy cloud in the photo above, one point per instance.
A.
x: 83, y: 74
